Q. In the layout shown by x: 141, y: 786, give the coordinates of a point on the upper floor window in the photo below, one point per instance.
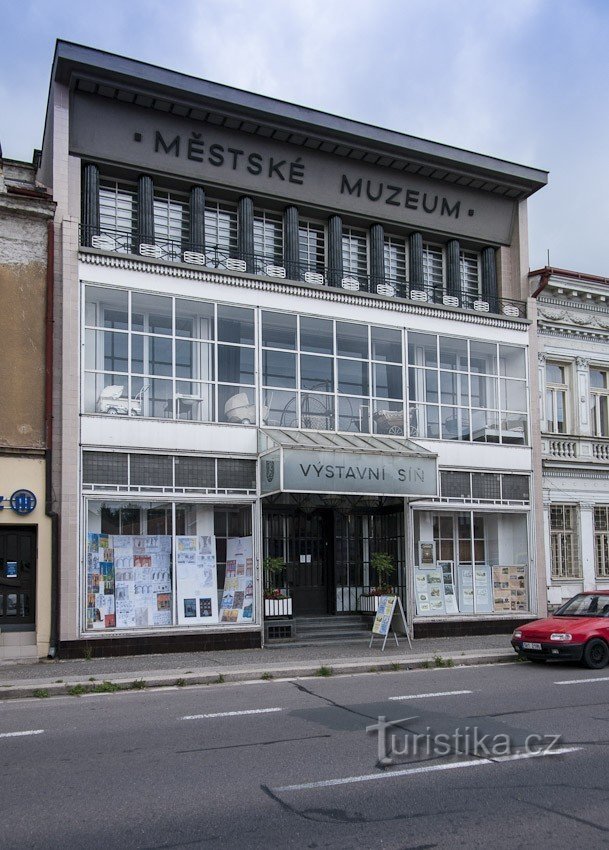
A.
x: 220, y: 231
x: 433, y: 266
x: 355, y: 254
x: 564, y: 542
x: 171, y: 223
x: 599, y: 402
x: 601, y: 540
x: 268, y: 237
x: 118, y: 212
x: 469, y: 264
x: 556, y: 398
x: 395, y: 259
x: 311, y: 246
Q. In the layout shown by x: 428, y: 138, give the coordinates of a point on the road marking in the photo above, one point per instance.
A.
x: 231, y: 713
x: 21, y: 734
x: 436, y: 694
x: 411, y: 771
x: 582, y: 681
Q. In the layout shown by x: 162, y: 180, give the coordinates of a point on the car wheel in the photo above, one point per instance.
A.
x: 596, y: 654
x: 112, y: 411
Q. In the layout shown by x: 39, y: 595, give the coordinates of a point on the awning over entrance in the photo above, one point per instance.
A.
x: 321, y: 462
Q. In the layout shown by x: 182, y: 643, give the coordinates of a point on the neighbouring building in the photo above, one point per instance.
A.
x: 26, y: 531
x: 285, y: 335
x: 573, y: 328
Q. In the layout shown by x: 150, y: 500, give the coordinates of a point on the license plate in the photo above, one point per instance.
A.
x: 531, y: 645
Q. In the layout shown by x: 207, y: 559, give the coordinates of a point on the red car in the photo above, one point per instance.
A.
x: 578, y: 631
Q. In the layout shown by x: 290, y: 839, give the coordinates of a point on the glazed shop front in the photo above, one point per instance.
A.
x: 330, y: 503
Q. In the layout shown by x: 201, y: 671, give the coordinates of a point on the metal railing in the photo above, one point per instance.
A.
x: 220, y: 257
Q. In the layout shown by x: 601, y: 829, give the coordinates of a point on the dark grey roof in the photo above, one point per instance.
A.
x: 148, y: 85
x: 358, y: 443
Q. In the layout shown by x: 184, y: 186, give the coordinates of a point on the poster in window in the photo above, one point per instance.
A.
x: 501, y: 589
x: 237, y: 605
x: 465, y: 585
x: 429, y: 591
x: 427, y: 553
x: 483, y: 589
x: 196, y: 577
x: 448, y: 581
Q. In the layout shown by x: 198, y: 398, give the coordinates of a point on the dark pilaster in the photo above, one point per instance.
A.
x: 489, y: 276
x: 453, y: 268
x: 245, y: 231
x: 197, y: 219
x: 145, y: 210
x: 415, y: 260
x: 291, y: 246
x: 377, y: 255
x: 90, y: 203
x: 335, y: 250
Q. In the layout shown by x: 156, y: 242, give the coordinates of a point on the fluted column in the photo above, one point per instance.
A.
x: 245, y: 231
x: 90, y: 203
x: 453, y: 268
x: 335, y: 250
x: 489, y: 276
x: 415, y: 260
x: 145, y: 210
x: 377, y: 255
x: 197, y: 219
x: 291, y: 243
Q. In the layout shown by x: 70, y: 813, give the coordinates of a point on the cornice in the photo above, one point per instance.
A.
x: 304, y: 290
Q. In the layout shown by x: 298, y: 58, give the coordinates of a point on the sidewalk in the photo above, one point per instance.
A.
x: 57, y: 678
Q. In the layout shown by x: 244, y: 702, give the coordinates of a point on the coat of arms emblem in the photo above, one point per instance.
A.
x: 270, y: 470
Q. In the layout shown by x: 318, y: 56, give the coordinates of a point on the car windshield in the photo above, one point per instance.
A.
x: 585, y: 605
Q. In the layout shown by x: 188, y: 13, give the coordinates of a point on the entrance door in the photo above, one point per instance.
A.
x: 304, y: 540
x: 17, y: 576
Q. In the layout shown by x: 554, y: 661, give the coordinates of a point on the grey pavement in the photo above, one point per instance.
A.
x: 277, y: 659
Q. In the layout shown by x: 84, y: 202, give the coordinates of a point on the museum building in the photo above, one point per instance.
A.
x: 287, y: 343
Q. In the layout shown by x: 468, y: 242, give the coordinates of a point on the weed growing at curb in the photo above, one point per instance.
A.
x: 427, y: 665
x: 41, y: 693
x: 324, y: 671
x: 91, y: 678
x: 58, y: 681
x: 180, y: 683
x: 106, y: 688
x: 77, y: 690
x: 396, y: 666
x: 219, y: 680
x: 87, y: 653
x: 138, y: 685
x: 443, y: 662
x: 266, y: 676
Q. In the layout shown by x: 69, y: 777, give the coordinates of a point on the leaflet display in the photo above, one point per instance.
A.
x: 237, y: 605
x: 196, y: 580
x: 429, y: 583
x: 509, y: 588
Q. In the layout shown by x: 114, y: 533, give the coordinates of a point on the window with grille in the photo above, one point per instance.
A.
x: 268, y: 237
x: 151, y: 470
x: 118, y: 212
x: 515, y: 488
x: 470, y: 274
x: 486, y: 485
x: 564, y: 543
x: 601, y: 540
x: 171, y: 223
x: 311, y: 246
x: 220, y: 230
x: 195, y: 472
x: 105, y: 468
x: 433, y: 267
x: 456, y: 485
x: 556, y: 398
x: 236, y: 474
x: 395, y: 259
x: 355, y: 254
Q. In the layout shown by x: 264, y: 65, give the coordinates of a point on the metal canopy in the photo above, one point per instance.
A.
x: 320, y: 441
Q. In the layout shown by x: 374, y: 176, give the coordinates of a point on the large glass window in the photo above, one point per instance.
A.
x: 311, y: 246
x: 470, y: 563
x: 150, y: 565
x: 396, y: 259
x: 599, y: 402
x: 171, y: 227
x: 118, y: 213
x: 466, y: 390
x: 268, y: 238
x: 469, y: 265
x: 157, y: 356
x: 355, y: 255
x: 556, y: 398
x: 564, y: 542
x: 220, y: 232
x: 601, y: 541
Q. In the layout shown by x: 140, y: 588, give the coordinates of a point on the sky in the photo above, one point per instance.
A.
x: 522, y: 80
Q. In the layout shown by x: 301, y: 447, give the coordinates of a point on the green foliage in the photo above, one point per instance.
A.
x: 180, y: 683
x: 41, y: 693
x: 219, y: 680
x: 106, y: 688
x: 77, y: 690
x: 138, y: 685
x: 443, y: 662
x: 383, y: 565
x: 266, y: 676
x: 87, y: 652
x: 324, y: 671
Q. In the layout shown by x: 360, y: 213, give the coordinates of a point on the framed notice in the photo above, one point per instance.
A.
x: 429, y: 591
x: 448, y: 583
x: 427, y: 553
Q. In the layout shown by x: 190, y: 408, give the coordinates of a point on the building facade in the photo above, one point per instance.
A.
x: 284, y: 335
x: 573, y: 323
x: 26, y: 529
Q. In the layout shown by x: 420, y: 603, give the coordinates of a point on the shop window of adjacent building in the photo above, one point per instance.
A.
x: 556, y: 398
x: 396, y: 260
x: 171, y: 224
x: 599, y: 402
x: 311, y: 243
x: 355, y: 255
x: 564, y: 542
x: 220, y: 232
x: 118, y: 213
x: 268, y: 238
x: 601, y: 541
x: 470, y: 562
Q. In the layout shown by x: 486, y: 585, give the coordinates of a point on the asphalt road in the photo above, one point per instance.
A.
x: 290, y: 764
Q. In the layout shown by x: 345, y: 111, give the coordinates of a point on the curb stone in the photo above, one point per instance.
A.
x: 124, y: 683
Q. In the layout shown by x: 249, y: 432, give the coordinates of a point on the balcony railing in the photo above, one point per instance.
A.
x: 220, y: 258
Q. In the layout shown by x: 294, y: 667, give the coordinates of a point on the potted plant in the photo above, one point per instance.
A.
x: 383, y: 565
x: 277, y: 601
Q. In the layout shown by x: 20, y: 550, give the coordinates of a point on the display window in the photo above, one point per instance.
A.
x: 470, y: 562
x: 152, y: 565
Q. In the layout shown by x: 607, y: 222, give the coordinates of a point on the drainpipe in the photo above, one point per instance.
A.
x: 48, y: 454
x: 543, y: 281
